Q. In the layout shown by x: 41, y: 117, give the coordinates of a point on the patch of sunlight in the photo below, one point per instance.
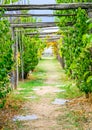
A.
x: 59, y: 101
x: 58, y: 91
x: 25, y: 118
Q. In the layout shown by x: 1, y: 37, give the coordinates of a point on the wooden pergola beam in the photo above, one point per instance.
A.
x: 43, y: 33
x: 38, y: 15
x: 29, y: 23
x: 38, y: 25
x: 34, y: 25
x: 50, y: 39
x: 49, y: 36
x: 63, y: 6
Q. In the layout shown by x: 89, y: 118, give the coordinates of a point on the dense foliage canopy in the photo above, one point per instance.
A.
x: 6, y: 60
x: 76, y: 48
x: 30, y: 54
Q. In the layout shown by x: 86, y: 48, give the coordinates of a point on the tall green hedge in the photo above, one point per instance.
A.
x: 6, y: 60
x: 77, y: 48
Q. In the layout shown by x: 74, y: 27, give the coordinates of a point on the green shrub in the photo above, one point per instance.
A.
x: 6, y: 60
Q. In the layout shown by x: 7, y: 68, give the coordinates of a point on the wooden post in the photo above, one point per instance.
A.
x: 16, y: 60
x: 21, y: 56
x: 90, y: 16
x: 61, y: 60
x: 63, y: 64
x: 22, y: 65
x: 90, y: 13
x: 12, y: 73
x: 15, y: 51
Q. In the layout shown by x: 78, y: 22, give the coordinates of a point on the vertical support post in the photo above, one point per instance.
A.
x: 61, y: 59
x: 90, y: 67
x: 90, y: 16
x: 16, y: 60
x: 12, y: 73
x: 90, y: 13
x: 21, y: 56
x: 22, y: 62
x: 15, y: 52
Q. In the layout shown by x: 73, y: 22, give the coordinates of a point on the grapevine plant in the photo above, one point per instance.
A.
x: 8, y: 1
x: 6, y: 61
x: 30, y: 54
x: 76, y: 53
x: 77, y: 50
x: 32, y: 48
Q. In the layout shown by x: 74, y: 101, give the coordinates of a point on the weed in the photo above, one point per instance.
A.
x: 19, y: 124
x: 70, y: 92
x: 2, y: 103
x: 72, y: 120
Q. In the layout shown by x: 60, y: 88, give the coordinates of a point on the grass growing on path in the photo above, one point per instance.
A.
x: 38, y: 79
x: 41, y: 73
x: 70, y: 92
x: 48, y: 76
x: 35, y: 80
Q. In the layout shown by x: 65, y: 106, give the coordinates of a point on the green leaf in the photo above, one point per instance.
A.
x: 89, y: 79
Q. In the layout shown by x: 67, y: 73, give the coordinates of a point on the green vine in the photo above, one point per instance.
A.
x: 77, y: 50
x: 30, y: 54
x: 6, y: 61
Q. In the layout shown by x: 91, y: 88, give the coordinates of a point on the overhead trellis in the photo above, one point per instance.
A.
x: 63, y: 6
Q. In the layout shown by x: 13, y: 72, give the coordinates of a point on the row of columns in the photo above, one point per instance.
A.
x: 18, y: 45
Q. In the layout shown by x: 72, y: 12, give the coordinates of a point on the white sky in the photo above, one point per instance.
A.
x: 50, y: 29
x: 44, y: 19
x: 48, y: 50
x: 43, y: 1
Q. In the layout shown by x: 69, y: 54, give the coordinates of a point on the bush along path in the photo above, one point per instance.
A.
x: 48, y: 100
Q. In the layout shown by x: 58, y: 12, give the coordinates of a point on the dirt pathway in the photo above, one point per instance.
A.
x: 44, y: 113
x: 44, y: 109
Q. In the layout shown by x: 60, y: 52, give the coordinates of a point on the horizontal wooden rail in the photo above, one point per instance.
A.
x: 34, y: 25
x: 41, y: 30
x: 43, y: 33
x: 63, y: 6
x: 29, y: 23
x: 38, y: 15
x: 49, y: 36
x: 50, y: 39
x: 50, y: 28
x: 38, y: 25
